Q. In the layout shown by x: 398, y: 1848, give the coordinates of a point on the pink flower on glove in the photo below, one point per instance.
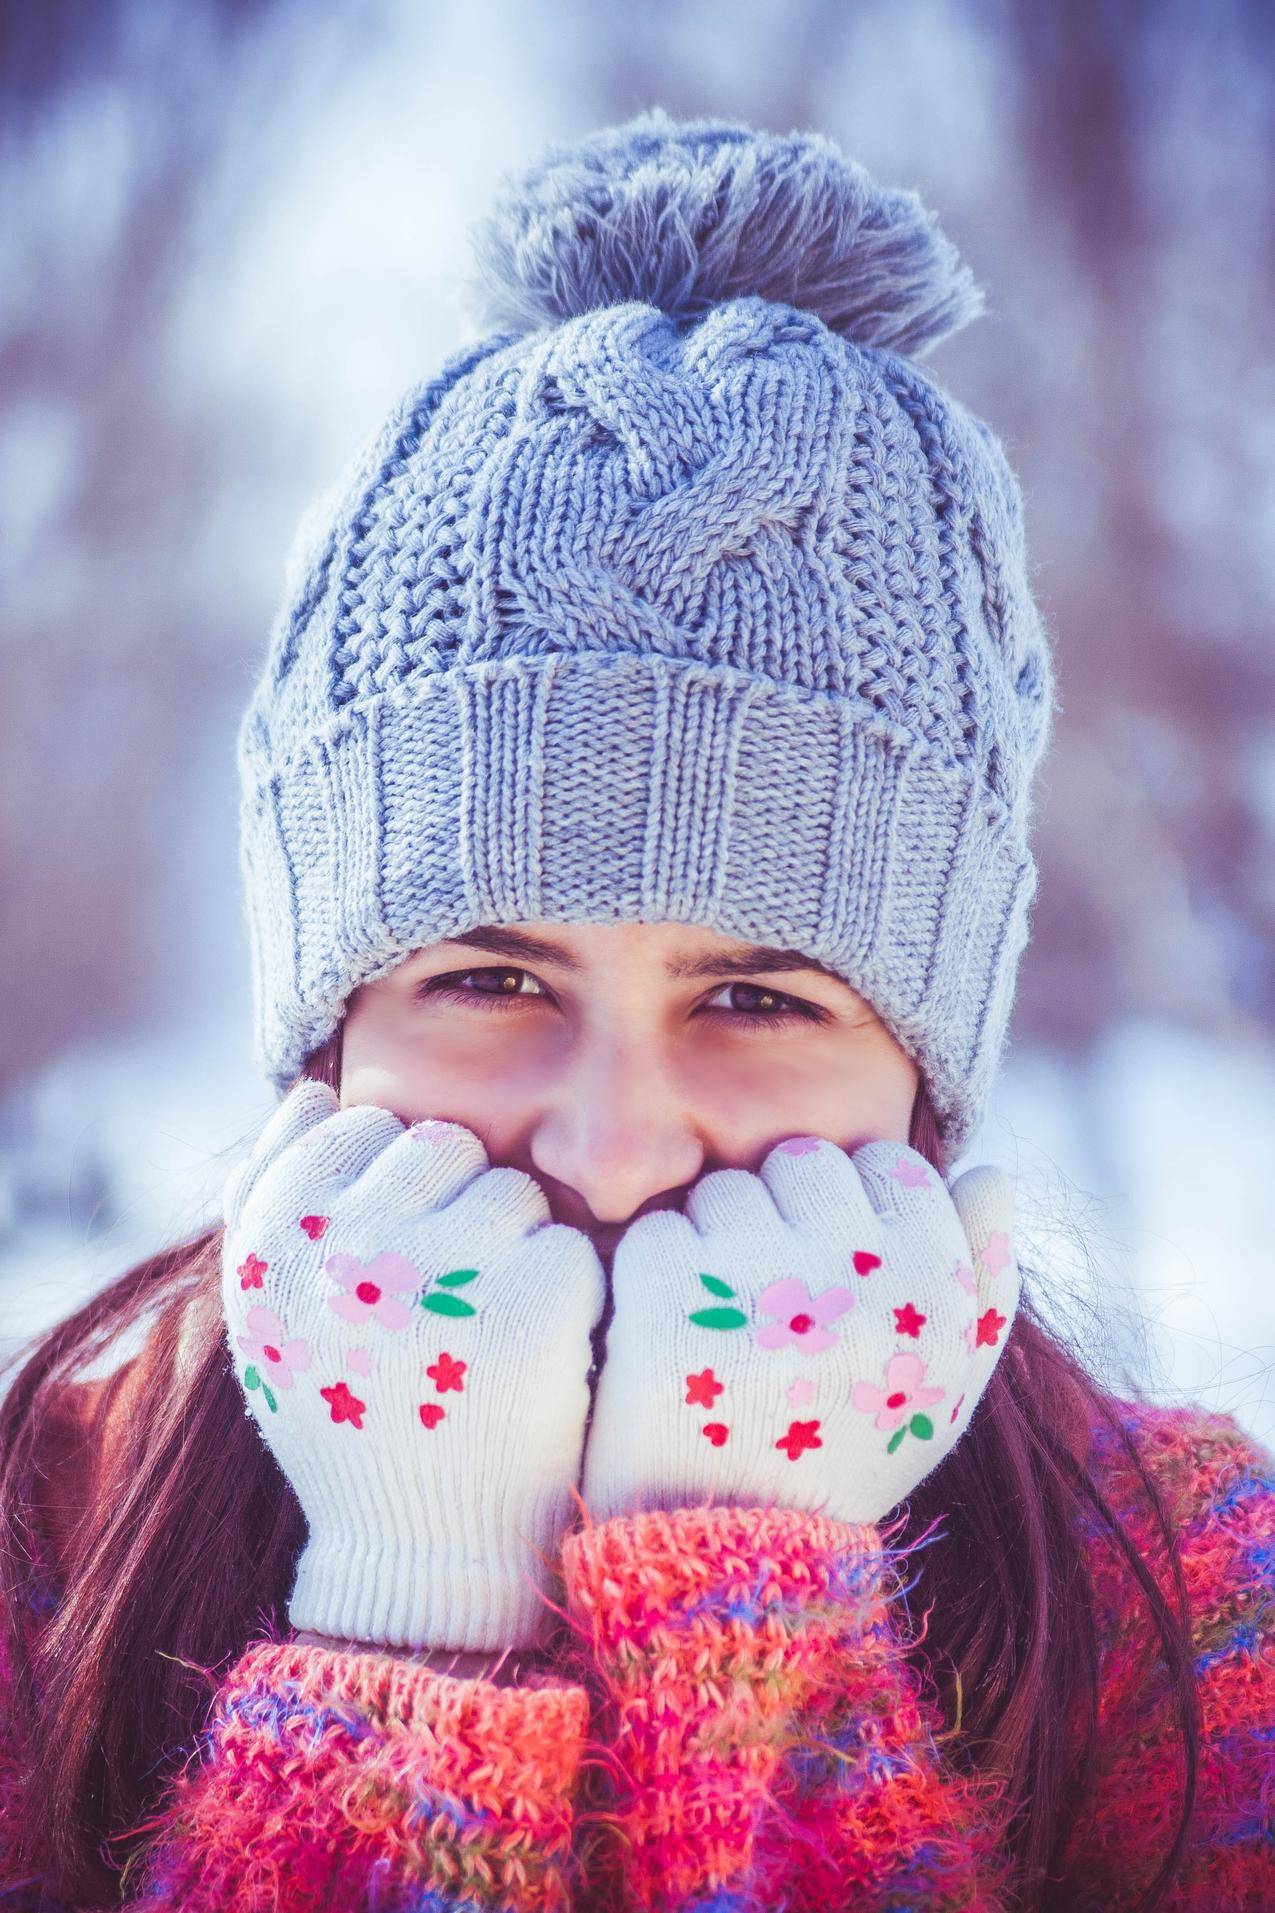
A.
x: 902, y: 1393
x: 965, y: 1276
x: 365, y: 1285
x: 802, y: 1318
x: 267, y: 1346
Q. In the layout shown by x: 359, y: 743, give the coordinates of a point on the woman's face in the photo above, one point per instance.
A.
x: 617, y: 1063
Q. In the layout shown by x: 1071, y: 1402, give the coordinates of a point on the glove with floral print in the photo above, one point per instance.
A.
x: 411, y: 1333
x: 817, y: 1336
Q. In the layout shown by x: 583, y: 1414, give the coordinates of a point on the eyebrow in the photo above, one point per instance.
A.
x: 755, y: 959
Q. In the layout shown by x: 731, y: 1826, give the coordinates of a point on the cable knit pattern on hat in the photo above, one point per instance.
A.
x: 715, y: 610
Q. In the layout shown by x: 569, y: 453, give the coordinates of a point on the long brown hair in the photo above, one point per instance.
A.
x: 187, y: 1549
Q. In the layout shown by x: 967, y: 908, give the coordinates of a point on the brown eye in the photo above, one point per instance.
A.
x: 501, y: 985
x: 773, y: 1007
x: 504, y: 982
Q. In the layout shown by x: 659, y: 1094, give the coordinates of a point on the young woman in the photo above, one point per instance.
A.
x: 600, y: 1460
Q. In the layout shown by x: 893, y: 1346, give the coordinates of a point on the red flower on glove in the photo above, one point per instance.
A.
x: 703, y: 1389
x: 251, y: 1271
x: 990, y: 1325
x: 344, y: 1405
x: 908, y: 1320
x: 801, y: 1435
x: 447, y: 1373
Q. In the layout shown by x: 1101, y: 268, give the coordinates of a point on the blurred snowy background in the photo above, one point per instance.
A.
x: 235, y: 232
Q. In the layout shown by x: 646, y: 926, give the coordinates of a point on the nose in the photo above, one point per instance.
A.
x: 615, y: 1136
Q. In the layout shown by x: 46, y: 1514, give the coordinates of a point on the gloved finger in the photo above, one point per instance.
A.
x: 663, y: 1240
x: 306, y: 1104
x: 321, y: 1164
x: 501, y: 1204
x: 730, y: 1200
x: 425, y: 1167
x: 898, y: 1179
x: 985, y: 1199
x: 815, y: 1185
x: 555, y: 1273
x: 918, y: 1220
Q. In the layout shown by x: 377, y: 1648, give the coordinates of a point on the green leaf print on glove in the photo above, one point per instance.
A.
x: 719, y: 1318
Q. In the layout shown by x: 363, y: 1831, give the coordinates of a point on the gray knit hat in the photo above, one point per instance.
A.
x: 684, y: 596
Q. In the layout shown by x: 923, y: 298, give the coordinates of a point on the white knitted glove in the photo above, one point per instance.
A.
x: 411, y: 1332
x: 814, y: 1337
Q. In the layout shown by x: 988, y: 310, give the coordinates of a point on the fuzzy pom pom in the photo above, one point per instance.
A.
x: 684, y: 214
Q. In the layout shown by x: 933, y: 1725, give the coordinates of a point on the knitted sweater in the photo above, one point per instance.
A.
x: 747, y: 1734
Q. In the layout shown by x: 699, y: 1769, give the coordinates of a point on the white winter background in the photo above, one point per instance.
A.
x: 234, y: 234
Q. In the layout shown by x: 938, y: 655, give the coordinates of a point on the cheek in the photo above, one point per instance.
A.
x: 420, y: 1067
x: 856, y: 1091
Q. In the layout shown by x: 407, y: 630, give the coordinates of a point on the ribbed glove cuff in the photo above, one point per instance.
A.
x: 402, y: 1592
